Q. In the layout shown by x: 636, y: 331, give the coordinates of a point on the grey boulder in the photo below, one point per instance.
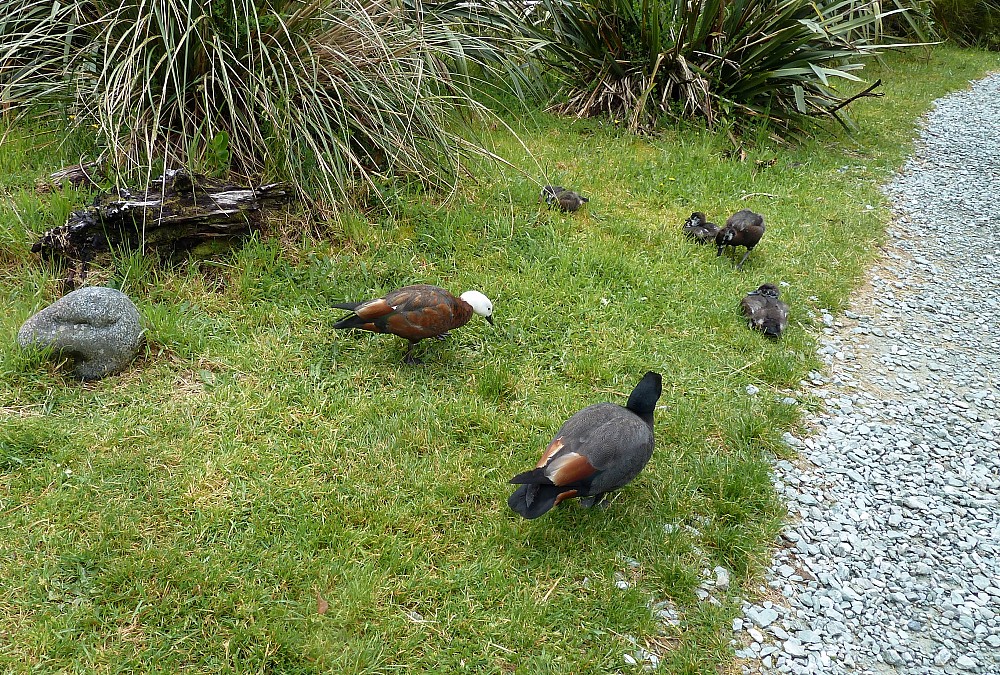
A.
x: 98, y: 327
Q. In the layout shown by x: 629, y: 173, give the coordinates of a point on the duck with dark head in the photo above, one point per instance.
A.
x: 596, y: 451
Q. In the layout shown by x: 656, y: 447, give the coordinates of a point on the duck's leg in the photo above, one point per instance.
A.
x: 408, y: 358
x: 745, y: 256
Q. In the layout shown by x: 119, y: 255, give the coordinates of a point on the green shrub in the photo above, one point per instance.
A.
x: 744, y: 60
x: 329, y: 93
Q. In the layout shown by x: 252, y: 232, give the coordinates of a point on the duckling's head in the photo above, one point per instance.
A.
x: 697, y: 218
x: 549, y: 194
x: 769, y: 290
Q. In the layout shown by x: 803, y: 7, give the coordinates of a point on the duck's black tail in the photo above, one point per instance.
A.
x: 351, y: 320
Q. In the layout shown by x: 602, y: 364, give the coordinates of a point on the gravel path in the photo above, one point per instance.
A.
x: 891, y: 563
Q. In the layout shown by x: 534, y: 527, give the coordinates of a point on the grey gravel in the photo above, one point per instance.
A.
x: 763, y: 618
x: 891, y: 560
x: 99, y: 328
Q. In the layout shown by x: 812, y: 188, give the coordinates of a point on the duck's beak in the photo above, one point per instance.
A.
x: 490, y: 319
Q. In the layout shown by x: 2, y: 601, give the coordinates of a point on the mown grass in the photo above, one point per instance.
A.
x: 260, y: 494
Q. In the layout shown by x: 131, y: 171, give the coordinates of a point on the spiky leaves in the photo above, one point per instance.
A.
x: 743, y: 59
x: 326, y: 92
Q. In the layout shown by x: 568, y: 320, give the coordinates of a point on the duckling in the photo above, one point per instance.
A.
x: 698, y: 228
x: 599, y: 449
x: 744, y: 228
x: 415, y: 312
x: 765, y: 312
x: 567, y: 200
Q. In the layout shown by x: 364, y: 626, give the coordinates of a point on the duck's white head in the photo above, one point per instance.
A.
x: 481, y: 305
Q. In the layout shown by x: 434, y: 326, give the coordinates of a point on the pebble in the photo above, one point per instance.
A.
x: 965, y: 663
x: 721, y: 578
x: 764, y: 618
x: 794, y: 648
x: 894, y: 528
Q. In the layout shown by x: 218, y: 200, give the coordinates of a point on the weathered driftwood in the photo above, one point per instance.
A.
x: 177, y: 212
x: 84, y: 174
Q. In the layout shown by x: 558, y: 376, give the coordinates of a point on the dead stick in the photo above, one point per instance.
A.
x: 866, y: 92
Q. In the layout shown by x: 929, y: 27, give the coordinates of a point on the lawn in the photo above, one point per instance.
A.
x: 261, y: 494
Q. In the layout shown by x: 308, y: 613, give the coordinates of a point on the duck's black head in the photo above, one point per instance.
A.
x: 643, y: 399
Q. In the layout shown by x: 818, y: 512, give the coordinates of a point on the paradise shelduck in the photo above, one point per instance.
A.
x: 416, y: 312
x: 765, y: 312
x: 698, y: 228
x: 599, y: 449
x: 744, y: 228
x: 567, y: 200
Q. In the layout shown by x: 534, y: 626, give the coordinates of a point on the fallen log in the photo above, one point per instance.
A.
x: 176, y: 213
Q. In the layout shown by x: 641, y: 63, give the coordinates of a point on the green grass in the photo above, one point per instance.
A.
x: 194, y: 513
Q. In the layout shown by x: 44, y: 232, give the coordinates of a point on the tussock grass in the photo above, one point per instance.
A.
x: 332, y: 95
x: 259, y: 494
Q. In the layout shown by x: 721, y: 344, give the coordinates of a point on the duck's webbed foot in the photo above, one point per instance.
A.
x: 408, y: 358
x: 600, y: 501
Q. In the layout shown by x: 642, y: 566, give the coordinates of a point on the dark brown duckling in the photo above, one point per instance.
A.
x: 765, y: 312
x: 698, y: 228
x: 744, y: 228
x: 415, y: 312
x: 599, y: 449
x: 566, y: 200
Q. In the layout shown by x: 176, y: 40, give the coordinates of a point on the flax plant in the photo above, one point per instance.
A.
x: 741, y: 60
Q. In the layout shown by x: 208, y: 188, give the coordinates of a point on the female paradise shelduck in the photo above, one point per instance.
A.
x: 765, y: 312
x: 599, y: 449
x: 698, y: 228
x: 744, y: 228
x: 567, y: 200
x: 416, y: 312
